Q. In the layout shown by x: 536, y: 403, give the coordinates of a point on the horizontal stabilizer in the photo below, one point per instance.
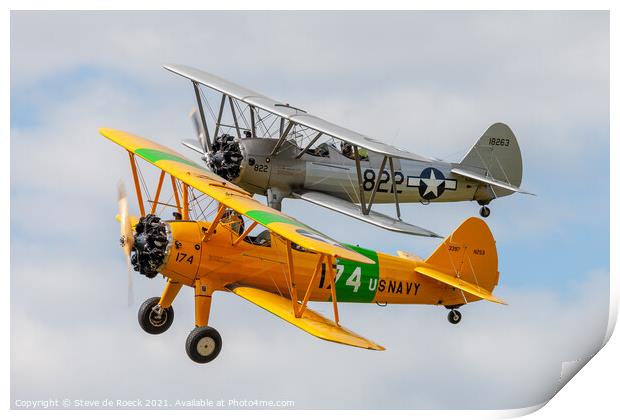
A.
x: 310, y: 321
x: 459, y: 284
x: 489, y: 180
x: 353, y: 210
x: 408, y: 256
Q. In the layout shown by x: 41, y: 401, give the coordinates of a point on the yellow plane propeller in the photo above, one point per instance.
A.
x: 127, y: 238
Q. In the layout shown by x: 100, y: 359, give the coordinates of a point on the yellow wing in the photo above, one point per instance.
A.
x: 231, y: 195
x: 459, y: 284
x: 310, y: 321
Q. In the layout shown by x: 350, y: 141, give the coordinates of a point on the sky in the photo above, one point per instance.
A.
x: 428, y: 82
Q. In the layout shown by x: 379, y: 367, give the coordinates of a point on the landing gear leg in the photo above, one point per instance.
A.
x: 485, y: 211
x: 153, y: 318
x: 274, y: 198
x: 155, y: 315
x: 204, y: 343
x: 454, y: 316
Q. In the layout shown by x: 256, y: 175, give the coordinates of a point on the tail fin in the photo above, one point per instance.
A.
x: 467, y: 260
x: 496, y: 155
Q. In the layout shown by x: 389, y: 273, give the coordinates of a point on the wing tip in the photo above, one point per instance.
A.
x: 368, y: 345
x: 107, y: 132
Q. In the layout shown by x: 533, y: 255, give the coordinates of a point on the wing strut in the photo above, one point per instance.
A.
x: 234, y: 115
x: 315, y: 276
x: 136, y: 181
x: 282, y: 138
x: 207, y: 141
x: 252, y: 121
x: 175, y: 190
x: 158, y: 192
x: 298, y: 310
x: 219, y: 116
x: 360, y: 182
x: 291, y: 275
x: 332, y: 282
x: 376, y: 187
x: 245, y: 233
x: 309, y: 145
x: 216, y: 221
x: 394, y: 188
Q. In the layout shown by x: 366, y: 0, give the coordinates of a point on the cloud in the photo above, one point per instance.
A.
x: 430, y: 82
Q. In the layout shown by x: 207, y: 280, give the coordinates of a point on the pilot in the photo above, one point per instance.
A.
x: 322, y: 150
x: 247, y: 134
x: 349, y: 152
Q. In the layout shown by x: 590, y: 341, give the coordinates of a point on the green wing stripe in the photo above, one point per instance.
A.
x: 154, y: 155
x: 265, y: 218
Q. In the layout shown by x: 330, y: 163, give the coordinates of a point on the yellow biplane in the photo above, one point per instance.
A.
x: 284, y: 267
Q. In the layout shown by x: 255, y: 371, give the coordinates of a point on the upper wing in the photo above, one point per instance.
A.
x: 291, y: 113
x: 310, y: 321
x: 373, y: 217
x: 231, y: 195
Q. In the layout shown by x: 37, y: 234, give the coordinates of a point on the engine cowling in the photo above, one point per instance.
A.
x: 150, y: 245
x: 171, y: 248
x: 226, y: 157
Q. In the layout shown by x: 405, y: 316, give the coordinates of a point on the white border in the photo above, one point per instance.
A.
x: 592, y: 393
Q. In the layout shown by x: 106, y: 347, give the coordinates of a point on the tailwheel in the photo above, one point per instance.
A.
x: 485, y: 211
x: 203, y: 344
x: 454, y: 316
x: 153, y: 318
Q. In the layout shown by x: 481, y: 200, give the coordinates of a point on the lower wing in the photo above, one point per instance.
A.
x: 353, y: 210
x: 310, y: 321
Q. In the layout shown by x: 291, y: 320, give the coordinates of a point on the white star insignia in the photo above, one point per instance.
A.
x: 431, y: 184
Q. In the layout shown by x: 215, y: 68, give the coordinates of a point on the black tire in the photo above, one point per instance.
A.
x: 485, y: 211
x: 148, y: 319
x: 203, y: 344
x: 454, y: 316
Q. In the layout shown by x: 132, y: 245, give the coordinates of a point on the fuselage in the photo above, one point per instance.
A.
x: 390, y: 280
x: 336, y: 174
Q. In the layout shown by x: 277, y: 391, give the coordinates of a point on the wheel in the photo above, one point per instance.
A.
x: 485, y: 211
x: 454, y: 316
x: 151, y: 321
x: 203, y: 344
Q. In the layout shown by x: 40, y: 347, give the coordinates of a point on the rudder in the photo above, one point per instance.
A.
x: 469, y: 253
x: 497, y: 155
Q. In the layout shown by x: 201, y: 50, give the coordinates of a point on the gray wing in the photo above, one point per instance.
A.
x: 291, y: 113
x: 353, y: 210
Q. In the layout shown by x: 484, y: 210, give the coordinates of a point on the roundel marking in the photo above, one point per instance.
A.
x: 432, y: 183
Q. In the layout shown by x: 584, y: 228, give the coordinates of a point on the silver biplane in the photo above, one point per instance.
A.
x: 280, y: 151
